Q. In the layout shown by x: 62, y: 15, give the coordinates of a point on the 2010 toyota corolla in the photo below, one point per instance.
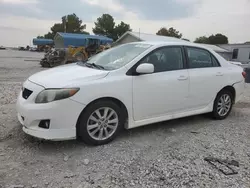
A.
x: 128, y: 86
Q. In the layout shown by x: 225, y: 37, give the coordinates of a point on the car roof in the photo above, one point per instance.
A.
x: 223, y: 62
x: 181, y: 43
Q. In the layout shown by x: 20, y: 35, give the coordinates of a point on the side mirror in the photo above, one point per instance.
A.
x: 145, y: 68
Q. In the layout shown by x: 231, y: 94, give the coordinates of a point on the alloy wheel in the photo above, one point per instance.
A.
x: 102, y: 123
x: 224, y: 105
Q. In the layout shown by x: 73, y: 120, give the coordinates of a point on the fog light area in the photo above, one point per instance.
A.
x: 44, y: 124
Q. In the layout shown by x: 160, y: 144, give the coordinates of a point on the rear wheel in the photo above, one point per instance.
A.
x: 223, y: 105
x: 100, y: 123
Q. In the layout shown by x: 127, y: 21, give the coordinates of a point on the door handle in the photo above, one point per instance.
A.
x: 219, y: 74
x: 182, y: 77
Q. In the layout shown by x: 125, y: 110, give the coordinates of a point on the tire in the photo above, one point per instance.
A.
x: 79, y: 57
x: 45, y: 64
x: 85, y: 122
x: 217, y: 114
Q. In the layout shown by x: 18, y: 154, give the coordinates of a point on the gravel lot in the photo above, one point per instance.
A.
x: 168, y: 154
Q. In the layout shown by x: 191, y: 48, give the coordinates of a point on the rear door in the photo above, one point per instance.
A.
x: 207, y: 77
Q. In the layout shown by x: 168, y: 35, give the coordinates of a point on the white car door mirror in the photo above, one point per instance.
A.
x: 145, y: 68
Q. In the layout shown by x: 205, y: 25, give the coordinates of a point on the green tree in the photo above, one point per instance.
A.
x: 202, y: 39
x: 120, y: 29
x: 212, y: 39
x: 171, y: 32
x: 218, y: 39
x: 73, y: 24
x: 70, y: 23
x: 105, y: 25
x: 49, y: 35
x: 40, y: 37
x: 57, y: 27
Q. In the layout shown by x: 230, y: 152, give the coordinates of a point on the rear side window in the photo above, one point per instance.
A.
x: 199, y: 58
x: 215, y: 62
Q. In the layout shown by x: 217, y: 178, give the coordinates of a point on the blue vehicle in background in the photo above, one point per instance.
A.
x: 71, y: 47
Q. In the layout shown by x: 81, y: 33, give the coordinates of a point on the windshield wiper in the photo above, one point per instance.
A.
x: 81, y: 62
x: 94, y: 65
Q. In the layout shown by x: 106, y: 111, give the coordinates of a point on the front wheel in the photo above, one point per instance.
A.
x: 223, y: 105
x: 100, y: 123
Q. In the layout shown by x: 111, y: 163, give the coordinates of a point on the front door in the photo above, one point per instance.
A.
x: 166, y: 90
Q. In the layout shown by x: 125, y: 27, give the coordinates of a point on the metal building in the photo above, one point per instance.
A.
x: 42, y: 42
x: 63, y: 40
x: 240, y: 52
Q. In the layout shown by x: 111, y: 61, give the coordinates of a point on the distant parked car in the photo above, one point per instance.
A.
x: 33, y: 49
x: 128, y: 86
x: 2, y: 48
x: 21, y: 48
x: 236, y: 63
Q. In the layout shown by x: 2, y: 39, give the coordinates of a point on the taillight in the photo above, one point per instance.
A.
x: 244, y: 74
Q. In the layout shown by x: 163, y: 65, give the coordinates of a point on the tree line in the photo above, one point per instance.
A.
x: 105, y: 25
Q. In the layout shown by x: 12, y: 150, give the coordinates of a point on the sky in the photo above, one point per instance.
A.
x: 23, y: 20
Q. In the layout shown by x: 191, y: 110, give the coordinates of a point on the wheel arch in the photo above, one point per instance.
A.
x: 231, y: 89
x: 115, y: 100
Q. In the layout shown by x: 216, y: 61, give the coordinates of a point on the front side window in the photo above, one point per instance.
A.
x: 119, y: 56
x: 199, y: 58
x: 165, y: 59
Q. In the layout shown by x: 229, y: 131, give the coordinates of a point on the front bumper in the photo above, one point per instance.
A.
x: 63, y: 115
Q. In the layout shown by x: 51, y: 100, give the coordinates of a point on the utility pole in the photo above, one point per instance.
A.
x: 65, y: 24
x: 139, y: 33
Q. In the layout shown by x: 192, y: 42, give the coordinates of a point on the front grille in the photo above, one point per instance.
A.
x: 26, y: 93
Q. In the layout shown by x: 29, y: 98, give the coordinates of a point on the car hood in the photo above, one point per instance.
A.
x: 66, y: 75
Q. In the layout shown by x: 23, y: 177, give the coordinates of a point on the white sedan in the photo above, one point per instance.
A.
x: 126, y: 87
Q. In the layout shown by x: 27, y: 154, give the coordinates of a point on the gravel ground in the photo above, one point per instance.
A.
x: 168, y: 154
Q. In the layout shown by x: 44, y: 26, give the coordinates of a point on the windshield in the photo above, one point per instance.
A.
x: 117, y: 57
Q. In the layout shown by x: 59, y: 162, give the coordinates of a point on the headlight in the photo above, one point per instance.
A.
x: 49, y: 95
